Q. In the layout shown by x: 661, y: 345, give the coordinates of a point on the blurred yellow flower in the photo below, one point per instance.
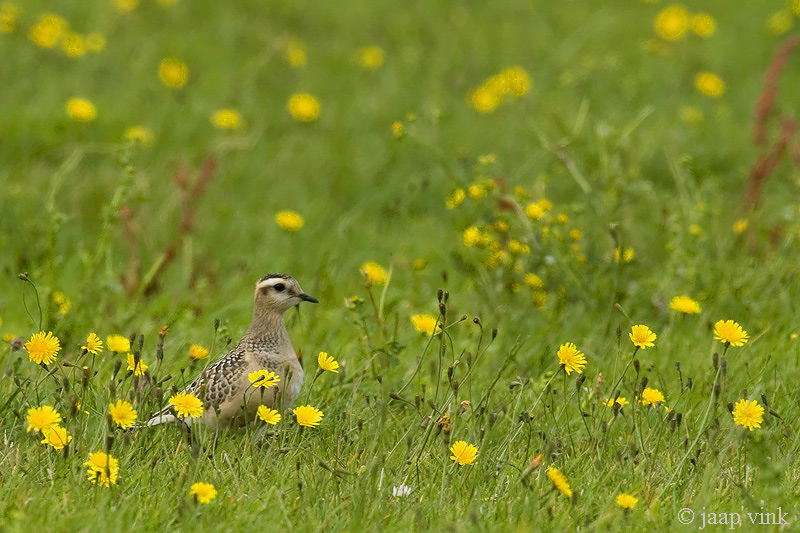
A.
x: 424, y: 323
x: 42, y: 418
x: 575, y: 234
x: 795, y: 6
x: 730, y: 332
x: 308, y: 416
x: 56, y: 436
x: 652, y: 397
x: 695, y: 229
x: 295, y: 54
x: 709, y: 84
x: 289, y: 220
x: 43, y: 347
x: 516, y: 81
x: 226, y: 119
x: 126, y: 6
x: 691, y: 115
x: 139, y: 368
x: 370, y: 57
x: 203, y: 492
x: 539, y: 299
x: 81, y: 109
x: 303, y: 107
x: 472, y: 236
x: 624, y: 255
x: 375, y: 273
x: 484, y: 100
x: 397, y: 129
x: 779, y: 22
x: 187, y: 405
x: 642, y: 337
x: 48, y: 30
x: 197, y: 352
x: 626, y: 501
x: 118, y: 343
x: 74, y: 45
x: 533, y: 281
x: 102, y: 469
x: 173, y: 72
x: 463, y: 453
x: 122, y: 414
x: 685, y: 304
x: 672, y: 22
x: 270, y: 416
x: 139, y: 135
x: 621, y: 401
x: 748, y: 414
x: 477, y: 191
x: 455, y: 199
x: 263, y: 379
x: 93, y: 344
x: 327, y: 362
x: 703, y: 25
x: 740, y: 226
x: 9, y: 15
x: 95, y: 42
x: 559, y: 481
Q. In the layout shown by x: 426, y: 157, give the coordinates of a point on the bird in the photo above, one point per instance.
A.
x: 224, y: 386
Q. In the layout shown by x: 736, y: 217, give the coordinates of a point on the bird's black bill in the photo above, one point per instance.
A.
x: 308, y: 298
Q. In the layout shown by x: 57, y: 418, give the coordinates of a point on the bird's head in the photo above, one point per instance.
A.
x: 279, y: 292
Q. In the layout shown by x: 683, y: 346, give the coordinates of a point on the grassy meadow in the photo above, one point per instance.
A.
x: 483, y: 196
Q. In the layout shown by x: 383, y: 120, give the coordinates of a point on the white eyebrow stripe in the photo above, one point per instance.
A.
x: 271, y: 282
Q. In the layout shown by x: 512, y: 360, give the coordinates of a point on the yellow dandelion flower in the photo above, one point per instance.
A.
x: 463, y: 453
x: 397, y: 129
x: 263, y: 378
x: 93, y: 344
x: 226, y: 119
x: 779, y: 22
x: 672, y: 22
x: 118, y: 343
x: 81, y: 109
x: 534, y: 210
x: 56, y: 436
x: 197, y: 352
x: 621, y: 401
x: 270, y: 416
x: 575, y: 234
x: 709, y: 84
x: 533, y: 281
x: 295, y: 54
x: 516, y: 81
x: 370, y: 57
x: 9, y: 14
x: 730, y: 332
x: 740, y: 226
x: 102, y: 469
x: 455, y: 199
x: 539, y: 299
x: 139, y: 135
x: 484, y: 99
x: 472, y: 236
x: 642, y: 337
x: 307, y: 415
x: 652, y: 397
x: 374, y: 273
x: 625, y: 255
x: 571, y: 358
x: 43, y: 347
x: 685, y: 304
x: 95, y: 42
x: 748, y: 414
x: 626, y: 501
x: 48, y: 30
x: 303, y: 107
x: 187, y: 405
x: 703, y: 25
x: 42, y: 418
x: 327, y: 362
x: 139, y: 368
x: 126, y: 6
x: 559, y: 481
x: 74, y: 45
x: 289, y: 220
x: 477, y: 191
x: 203, y: 492
x: 695, y: 229
x: 122, y: 413
x: 426, y: 324
x: 173, y: 72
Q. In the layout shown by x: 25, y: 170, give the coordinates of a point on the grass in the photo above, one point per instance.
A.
x: 611, y: 132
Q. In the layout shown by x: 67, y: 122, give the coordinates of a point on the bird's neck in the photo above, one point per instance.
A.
x: 267, y: 325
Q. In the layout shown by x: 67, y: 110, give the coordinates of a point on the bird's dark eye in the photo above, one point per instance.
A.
x: 279, y: 287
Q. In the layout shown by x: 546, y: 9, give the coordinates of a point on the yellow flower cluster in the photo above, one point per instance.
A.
x: 304, y: 107
x: 52, y: 30
x: 675, y: 21
x: 513, y: 81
